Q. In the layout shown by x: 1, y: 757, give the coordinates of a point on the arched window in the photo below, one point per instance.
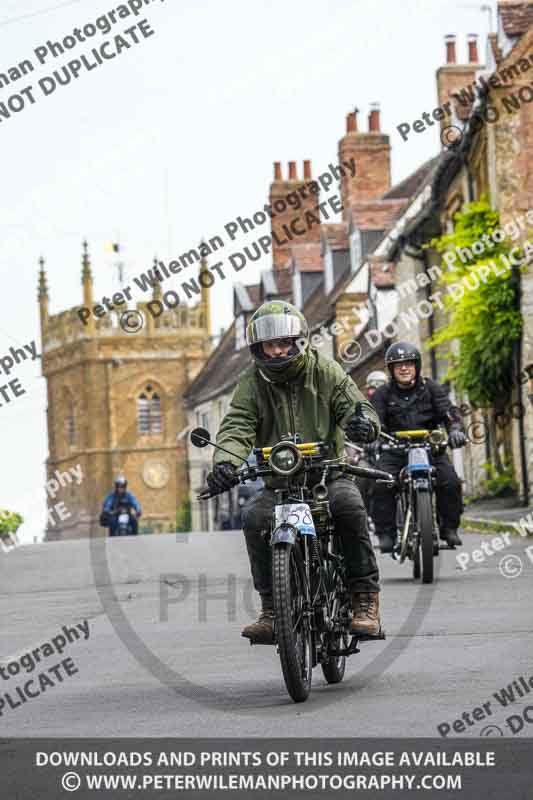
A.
x: 149, y: 411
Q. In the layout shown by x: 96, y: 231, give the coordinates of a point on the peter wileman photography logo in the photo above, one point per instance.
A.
x: 22, y: 666
x: 520, y: 688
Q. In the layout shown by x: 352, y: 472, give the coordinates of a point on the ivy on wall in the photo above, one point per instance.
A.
x: 486, y: 321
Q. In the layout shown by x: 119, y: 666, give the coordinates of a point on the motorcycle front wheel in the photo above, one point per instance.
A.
x: 424, y: 513
x: 334, y: 667
x: 293, y: 631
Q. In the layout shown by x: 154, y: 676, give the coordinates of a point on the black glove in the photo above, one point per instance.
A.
x: 456, y: 438
x: 360, y: 428
x: 223, y: 477
x: 372, y: 450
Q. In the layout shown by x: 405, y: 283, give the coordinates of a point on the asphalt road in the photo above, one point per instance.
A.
x: 164, y: 655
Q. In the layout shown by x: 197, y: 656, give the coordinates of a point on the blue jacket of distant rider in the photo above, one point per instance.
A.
x: 112, y: 501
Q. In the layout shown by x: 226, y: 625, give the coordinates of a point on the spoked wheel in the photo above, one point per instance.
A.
x: 335, y: 666
x: 293, y: 631
x: 416, y: 562
x: 425, y: 528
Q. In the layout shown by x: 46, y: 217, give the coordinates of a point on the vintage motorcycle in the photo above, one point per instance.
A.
x: 311, y: 601
x: 416, y: 518
x: 124, y: 525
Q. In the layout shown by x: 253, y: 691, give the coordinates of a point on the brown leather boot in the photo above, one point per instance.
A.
x: 262, y: 631
x: 365, y: 607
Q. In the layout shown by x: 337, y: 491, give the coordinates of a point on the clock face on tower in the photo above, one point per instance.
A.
x: 155, y: 474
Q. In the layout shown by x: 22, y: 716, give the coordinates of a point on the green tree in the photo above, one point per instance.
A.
x: 10, y: 522
x: 485, y: 320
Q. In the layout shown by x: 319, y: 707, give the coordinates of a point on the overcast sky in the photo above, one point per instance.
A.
x: 167, y: 142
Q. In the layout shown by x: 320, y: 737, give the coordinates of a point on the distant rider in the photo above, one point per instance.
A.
x: 112, y: 503
x: 410, y: 402
x: 293, y: 388
x: 374, y: 380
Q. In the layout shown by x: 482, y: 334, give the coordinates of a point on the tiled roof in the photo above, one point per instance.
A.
x: 409, y: 185
x: 516, y: 17
x: 317, y: 309
x: 307, y: 257
x: 381, y: 213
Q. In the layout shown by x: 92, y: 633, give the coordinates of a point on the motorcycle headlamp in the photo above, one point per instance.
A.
x: 285, y: 459
x: 437, y: 438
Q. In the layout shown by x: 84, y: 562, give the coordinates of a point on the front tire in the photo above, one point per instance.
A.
x: 425, y: 529
x: 416, y: 563
x: 335, y: 667
x: 293, y: 631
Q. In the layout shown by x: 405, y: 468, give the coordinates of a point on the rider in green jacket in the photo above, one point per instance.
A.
x: 292, y: 388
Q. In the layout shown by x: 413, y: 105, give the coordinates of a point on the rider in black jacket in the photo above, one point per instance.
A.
x: 410, y: 402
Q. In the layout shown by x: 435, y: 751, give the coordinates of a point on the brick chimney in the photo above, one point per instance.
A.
x: 284, y: 197
x: 472, y: 49
x: 454, y: 77
x: 451, y: 56
x: 371, y: 153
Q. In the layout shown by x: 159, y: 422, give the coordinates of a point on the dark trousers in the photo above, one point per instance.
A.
x: 365, y: 485
x: 448, y: 492
x: 349, y: 516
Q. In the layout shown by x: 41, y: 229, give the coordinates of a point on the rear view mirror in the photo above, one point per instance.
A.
x: 200, y: 437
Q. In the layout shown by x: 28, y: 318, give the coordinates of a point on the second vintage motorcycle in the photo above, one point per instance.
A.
x: 416, y: 517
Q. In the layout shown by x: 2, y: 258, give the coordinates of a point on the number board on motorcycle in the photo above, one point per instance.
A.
x: 296, y: 514
x: 418, y: 459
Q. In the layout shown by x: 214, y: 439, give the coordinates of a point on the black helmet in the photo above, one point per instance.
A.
x: 121, y: 482
x: 403, y: 351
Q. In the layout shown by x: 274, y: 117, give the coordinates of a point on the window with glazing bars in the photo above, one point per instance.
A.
x: 149, y: 411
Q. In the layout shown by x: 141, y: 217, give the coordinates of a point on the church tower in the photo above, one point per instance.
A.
x: 115, y: 406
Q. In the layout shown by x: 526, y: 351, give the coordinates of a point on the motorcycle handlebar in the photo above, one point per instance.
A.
x: 367, y: 472
x: 404, y: 443
x: 361, y: 472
